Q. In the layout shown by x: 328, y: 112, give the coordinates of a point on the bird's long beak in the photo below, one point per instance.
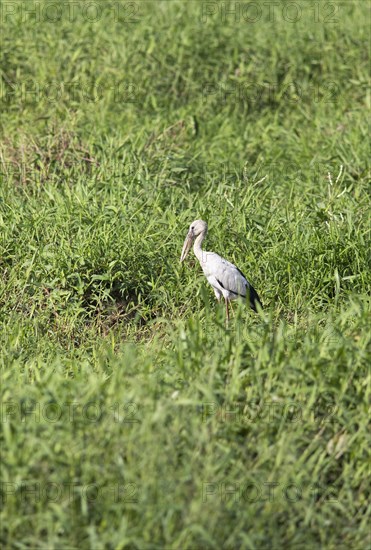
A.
x: 186, y: 246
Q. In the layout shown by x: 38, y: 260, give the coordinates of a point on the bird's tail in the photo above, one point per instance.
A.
x: 254, y: 299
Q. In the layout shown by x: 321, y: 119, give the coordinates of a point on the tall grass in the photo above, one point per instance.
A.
x: 131, y: 416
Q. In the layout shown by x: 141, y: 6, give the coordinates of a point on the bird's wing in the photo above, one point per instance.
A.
x: 227, y: 274
x: 229, y: 277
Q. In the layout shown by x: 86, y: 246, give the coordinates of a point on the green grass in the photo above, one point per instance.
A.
x: 132, y: 418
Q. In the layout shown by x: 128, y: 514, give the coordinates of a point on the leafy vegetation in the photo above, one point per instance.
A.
x: 131, y: 416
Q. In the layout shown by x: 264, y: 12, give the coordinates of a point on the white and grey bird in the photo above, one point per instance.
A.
x: 225, y: 278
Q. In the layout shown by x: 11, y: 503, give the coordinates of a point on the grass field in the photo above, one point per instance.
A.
x: 131, y: 417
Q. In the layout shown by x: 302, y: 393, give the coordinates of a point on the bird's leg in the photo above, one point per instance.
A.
x: 226, y: 312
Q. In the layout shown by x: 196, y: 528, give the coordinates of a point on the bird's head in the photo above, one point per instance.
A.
x: 196, y: 228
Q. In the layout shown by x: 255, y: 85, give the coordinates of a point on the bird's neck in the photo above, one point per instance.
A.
x: 197, y: 246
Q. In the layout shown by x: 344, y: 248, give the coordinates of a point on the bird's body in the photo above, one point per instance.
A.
x: 225, y: 278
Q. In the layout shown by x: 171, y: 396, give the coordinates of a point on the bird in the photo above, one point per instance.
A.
x: 225, y: 278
